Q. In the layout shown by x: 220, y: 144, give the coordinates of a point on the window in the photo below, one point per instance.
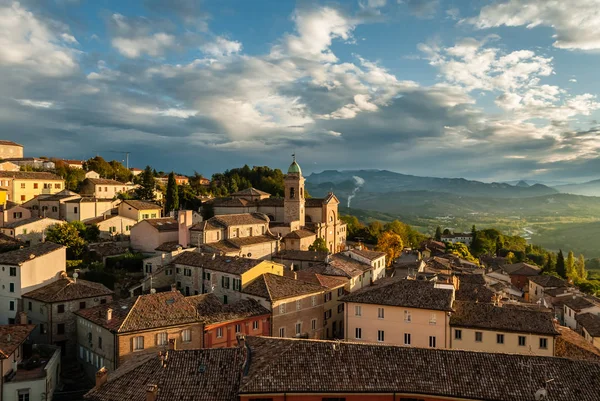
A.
x: 522, y: 341
x: 60, y: 308
x: 458, y: 334
x: 237, y: 284
x: 22, y: 198
x: 35, y: 185
x: 54, y: 209
x: 358, y: 333
x: 187, y: 291
x: 42, y: 329
x: 407, y: 317
x: 543, y: 343
x: 313, y: 300
x: 11, y: 305
x: 431, y: 341
x: 298, y: 304
x: 380, y: 313
x: 313, y: 324
x: 328, y: 314
x: 103, y: 301
x: 238, y: 328
x: 225, y: 299
x: 380, y: 336
x: 57, y: 186
x: 255, y: 325
x: 162, y: 339
x: 206, y: 275
x: 358, y: 310
x: 219, y: 332
x: 432, y: 318
x: 225, y: 282
x: 29, y: 306
x: 82, y: 305
x: 340, y: 308
x: 22, y: 185
x: 500, y: 338
x: 17, y: 215
x: 100, y: 342
x: 292, y: 193
x: 105, y: 189
x: 99, y: 189
x: 406, y: 338
x: 282, y: 332
x: 340, y: 291
x: 11, y: 287
x: 298, y: 328
x: 138, y: 343
x: 478, y: 336
x: 23, y: 395
x: 75, y: 209
x: 60, y: 328
x: 179, y: 284
x: 188, y: 273
x: 13, y: 271
x: 186, y: 335
x: 328, y: 297
x: 281, y: 308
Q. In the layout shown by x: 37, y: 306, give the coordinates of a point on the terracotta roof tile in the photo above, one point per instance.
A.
x: 190, y: 375
x: 308, y: 256
x: 490, y: 317
x: 141, y: 205
x: 227, y: 220
x: 274, y: 287
x: 571, y: 345
x: 578, y: 303
x: 474, y: 293
x: 162, y: 224
x: 24, y: 222
x: 149, y: 311
x: 67, y: 289
x: 548, y: 281
x: 521, y: 269
x: 30, y: 175
x: 365, y: 253
x: 590, y: 322
x: 169, y: 247
x: 211, y: 310
x: 10, y: 143
x: 104, y: 181
x: 250, y: 192
x: 324, y: 281
x: 20, y: 256
x: 288, y: 366
x: 299, y: 234
x: 403, y: 292
x: 12, y: 336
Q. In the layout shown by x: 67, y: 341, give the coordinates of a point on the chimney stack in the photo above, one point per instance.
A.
x: 109, y: 312
x: 151, y: 392
x: 172, y: 344
x: 22, y: 318
x: 101, y: 377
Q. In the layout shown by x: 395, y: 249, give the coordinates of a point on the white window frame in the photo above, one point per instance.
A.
x: 298, y: 327
x: 162, y: 338
x: 282, y: 332
x: 138, y: 343
x: 380, y: 336
x: 358, y: 333
x: 380, y: 313
x: 186, y: 335
x: 432, y: 342
x: 298, y: 304
x: 407, y: 316
x: 219, y: 332
x: 407, y: 336
x: 255, y: 325
x: 357, y: 310
x: 433, y: 319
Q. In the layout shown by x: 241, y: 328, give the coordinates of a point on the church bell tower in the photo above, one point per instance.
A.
x: 293, y: 204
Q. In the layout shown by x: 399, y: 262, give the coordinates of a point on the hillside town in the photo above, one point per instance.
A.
x: 254, y: 296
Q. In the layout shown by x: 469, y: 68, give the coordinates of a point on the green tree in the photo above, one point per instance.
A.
x: 353, y: 226
x: 499, y: 245
x: 100, y: 166
x: 120, y: 172
x: 446, y: 231
x: 391, y: 244
x: 67, y: 234
x: 580, y: 267
x: 510, y: 258
x: 570, y: 266
x: 147, y: 185
x: 438, y: 233
x: 560, y: 264
x: 172, y: 198
x: 319, y: 245
x: 550, y: 266
x: 461, y: 250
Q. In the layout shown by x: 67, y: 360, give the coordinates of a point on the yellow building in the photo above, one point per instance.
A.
x: 508, y: 329
x: 139, y: 210
x: 3, y: 196
x: 400, y: 312
x: 22, y: 186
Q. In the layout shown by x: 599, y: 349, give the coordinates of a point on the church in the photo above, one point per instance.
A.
x: 294, y: 220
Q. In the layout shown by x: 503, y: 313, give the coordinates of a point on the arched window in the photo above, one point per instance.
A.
x: 301, y: 192
x: 292, y: 193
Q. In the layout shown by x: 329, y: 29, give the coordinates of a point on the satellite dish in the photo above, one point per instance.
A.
x: 541, y: 394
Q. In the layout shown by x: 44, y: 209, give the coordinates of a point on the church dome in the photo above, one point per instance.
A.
x: 294, y: 168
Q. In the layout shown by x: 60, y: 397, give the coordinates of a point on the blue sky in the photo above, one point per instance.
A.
x: 489, y: 90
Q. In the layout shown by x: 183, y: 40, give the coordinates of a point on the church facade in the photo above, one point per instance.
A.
x: 296, y: 220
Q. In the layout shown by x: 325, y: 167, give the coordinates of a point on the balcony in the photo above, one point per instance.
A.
x: 34, y: 367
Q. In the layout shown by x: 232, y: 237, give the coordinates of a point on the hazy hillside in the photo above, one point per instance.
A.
x: 591, y: 188
x: 383, y: 181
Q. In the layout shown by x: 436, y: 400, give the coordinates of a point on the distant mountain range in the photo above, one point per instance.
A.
x: 382, y: 181
x: 590, y: 188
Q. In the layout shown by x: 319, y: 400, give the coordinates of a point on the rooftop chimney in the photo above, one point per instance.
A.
x: 22, y: 318
x: 109, y: 312
x: 151, y: 392
x: 101, y: 377
x: 173, y: 344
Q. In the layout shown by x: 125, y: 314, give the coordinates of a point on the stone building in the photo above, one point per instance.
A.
x: 297, y: 219
x: 51, y: 308
x: 296, y: 306
x: 10, y: 149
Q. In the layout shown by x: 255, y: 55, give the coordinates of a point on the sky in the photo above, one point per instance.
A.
x: 488, y: 90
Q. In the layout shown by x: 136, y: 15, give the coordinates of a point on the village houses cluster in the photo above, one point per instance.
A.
x: 236, y: 306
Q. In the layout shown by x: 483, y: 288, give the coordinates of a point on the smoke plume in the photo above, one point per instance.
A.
x: 359, y: 182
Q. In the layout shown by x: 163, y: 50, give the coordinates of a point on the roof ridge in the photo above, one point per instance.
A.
x: 129, y: 313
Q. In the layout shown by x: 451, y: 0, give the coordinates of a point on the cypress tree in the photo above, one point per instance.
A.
x: 172, y: 198
x: 560, y: 264
x: 438, y: 233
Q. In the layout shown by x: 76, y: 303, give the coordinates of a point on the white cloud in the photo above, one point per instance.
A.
x: 222, y: 47
x: 28, y: 42
x: 68, y: 38
x: 171, y: 112
x: 572, y: 80
x: 133, y: 39
x: 422, y: 8
x: 576, y: 24
x: 317, y: 28
x: 39, y: 104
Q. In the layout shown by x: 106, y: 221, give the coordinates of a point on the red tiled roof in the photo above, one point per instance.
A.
x: 274, y: 287
x: 12, y: 336
x: 67, y: 289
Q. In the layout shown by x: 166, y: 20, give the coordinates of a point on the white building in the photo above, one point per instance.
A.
x: 24, y: 270
x: 576, y: 305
